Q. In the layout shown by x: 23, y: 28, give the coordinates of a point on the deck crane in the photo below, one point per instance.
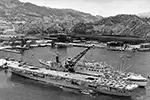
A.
x: 70, y: 63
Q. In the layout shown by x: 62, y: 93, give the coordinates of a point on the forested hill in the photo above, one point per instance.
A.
x: 123, y: 25
x: 18, y: 16
x: 28, y: 18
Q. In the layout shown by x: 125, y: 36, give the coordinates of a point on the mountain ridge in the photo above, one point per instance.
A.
x: 28, y: 18
x: 124, y: 25
x: 14, y: 11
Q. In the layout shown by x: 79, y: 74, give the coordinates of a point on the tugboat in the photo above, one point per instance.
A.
x: 67, y: 77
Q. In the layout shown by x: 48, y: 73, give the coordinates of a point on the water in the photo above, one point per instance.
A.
x: 13, y: 87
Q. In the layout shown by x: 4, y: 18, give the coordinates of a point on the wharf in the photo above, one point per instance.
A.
x: 17, y: 44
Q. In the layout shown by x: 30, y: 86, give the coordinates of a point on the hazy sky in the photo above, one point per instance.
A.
x: 98, y: 7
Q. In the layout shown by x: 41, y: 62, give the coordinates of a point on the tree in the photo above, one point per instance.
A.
x: 83, y: 28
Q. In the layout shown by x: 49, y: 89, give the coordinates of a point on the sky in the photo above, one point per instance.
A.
x: 104, y: 8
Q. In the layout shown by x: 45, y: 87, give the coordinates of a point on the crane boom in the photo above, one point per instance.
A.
x: 74, y: 60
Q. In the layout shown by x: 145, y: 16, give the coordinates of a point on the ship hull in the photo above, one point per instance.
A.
x: 95, y: 72
x: 46, y: 80
x: 139, y: 83
x: 67, y: 84
x: 88, y: 71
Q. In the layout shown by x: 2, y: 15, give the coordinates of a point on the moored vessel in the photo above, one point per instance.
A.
x: 98, y: 68
x: 101, y: 67
x: 69, y: 79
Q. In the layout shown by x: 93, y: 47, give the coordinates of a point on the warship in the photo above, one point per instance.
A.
x: 68, y: 78
x: 64, y: 75
x: 96, y: 69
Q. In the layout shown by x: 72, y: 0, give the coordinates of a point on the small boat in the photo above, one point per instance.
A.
x: 2, y: 63
x: 86, y: 91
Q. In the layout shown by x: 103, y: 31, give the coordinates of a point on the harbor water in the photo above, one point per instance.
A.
x: 14, y: 87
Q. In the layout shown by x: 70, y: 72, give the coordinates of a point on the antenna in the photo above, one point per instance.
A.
x: 127, y: 68
x: 56, y: 48
x: 21, y: 54
x: 123, y: 61
x: 120, y: 62
x: 57, y: 55
x: 91, y: 53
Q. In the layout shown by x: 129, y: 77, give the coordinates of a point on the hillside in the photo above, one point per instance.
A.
x: 18, y: 15
x: 124, y: 25
x: 27, y: 18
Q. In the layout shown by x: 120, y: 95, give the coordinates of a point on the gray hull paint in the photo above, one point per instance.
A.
x: 67, y: 84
